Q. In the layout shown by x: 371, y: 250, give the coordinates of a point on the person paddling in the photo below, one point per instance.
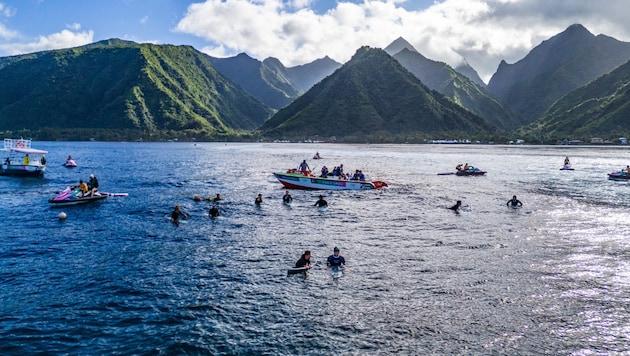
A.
x: 456, y: 206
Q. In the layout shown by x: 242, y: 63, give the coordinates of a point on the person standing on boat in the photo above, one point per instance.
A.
x: 214, y: 211
x: 287, y: 198
x: 321, y: 203
x: 259, y: 200
x: 27, y: 160
x: 93, y: 184
x: 304, y: 166
x: 43, y: 160
x: 304, y: 261
x: 177, y: 212
x: 336, y: 260
x: 514, y: 202
x: 324, y: 172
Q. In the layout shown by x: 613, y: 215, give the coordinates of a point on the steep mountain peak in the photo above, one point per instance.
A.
x: 556, y: 66
x: 369, y: 96
x: 398, y: 45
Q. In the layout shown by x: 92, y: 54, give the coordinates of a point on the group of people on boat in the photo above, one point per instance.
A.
x: 87, y: 189
x: 339, y: 173
x: 465, y: 168
x: 334, y: 260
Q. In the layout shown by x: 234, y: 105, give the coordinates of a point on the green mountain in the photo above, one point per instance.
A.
x: 459, y: 88
x: 557, y: 66
x: 309, y: 74
x: 266, y: 81
x: 270, y: 81
x: 373, y: 97
x: 120, y: 85
x: 599, y: 109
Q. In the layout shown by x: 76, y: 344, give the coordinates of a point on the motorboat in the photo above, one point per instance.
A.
x: 73, y: 196
x: 297, y: 179
x: 621, y: 175
x: 22, y: 160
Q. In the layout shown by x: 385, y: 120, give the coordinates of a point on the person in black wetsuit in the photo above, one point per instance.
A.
x: 321, y: 203
x: 336, y: 260
x: 287, y: 198
x: 214, y: 211
x: 514, y: 202
x: 305, y: 260
x: 177, y: 212
x: 456, y: 206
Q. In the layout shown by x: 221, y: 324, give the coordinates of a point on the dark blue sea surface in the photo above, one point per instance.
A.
x: 117, y: 277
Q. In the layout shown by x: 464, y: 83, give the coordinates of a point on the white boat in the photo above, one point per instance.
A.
x: 305, y: 180
x: 22, y: 160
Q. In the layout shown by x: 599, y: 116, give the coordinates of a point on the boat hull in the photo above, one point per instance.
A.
x: 21, y: 170
x: 619, y: 176
x: 76, y: 201
x: 300, y: 181
x: 470, y: 173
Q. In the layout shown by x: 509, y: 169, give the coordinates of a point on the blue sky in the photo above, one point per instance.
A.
x: 483, y: 32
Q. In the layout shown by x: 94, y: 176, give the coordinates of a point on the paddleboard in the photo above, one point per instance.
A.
x: 297, y: 270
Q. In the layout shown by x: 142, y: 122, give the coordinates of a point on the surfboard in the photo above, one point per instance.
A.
x: 322, y: 208
x: 336, y: 271
x: 297, y: 270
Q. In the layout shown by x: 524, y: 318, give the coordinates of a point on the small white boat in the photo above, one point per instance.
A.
x: 21, y: 160
x: 305, y: 180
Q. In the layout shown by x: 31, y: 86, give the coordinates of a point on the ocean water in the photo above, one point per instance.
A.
x: 116, y: 277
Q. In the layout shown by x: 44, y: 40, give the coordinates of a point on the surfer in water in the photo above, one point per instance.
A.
x: 258, y: 200
x: 177, y: 212
x: 287, y: 198
x: 336, y: 260
x: 214, y: 211
x: 514, y: 202
x: 456, y: 206
x: 305, y: 260
x: 321, y: 203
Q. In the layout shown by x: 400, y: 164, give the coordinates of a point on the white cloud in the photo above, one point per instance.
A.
x: 7, y: 11
x: 482, y: 31
x: 63, y: 39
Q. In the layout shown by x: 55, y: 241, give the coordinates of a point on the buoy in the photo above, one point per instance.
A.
x: 62, y: 216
